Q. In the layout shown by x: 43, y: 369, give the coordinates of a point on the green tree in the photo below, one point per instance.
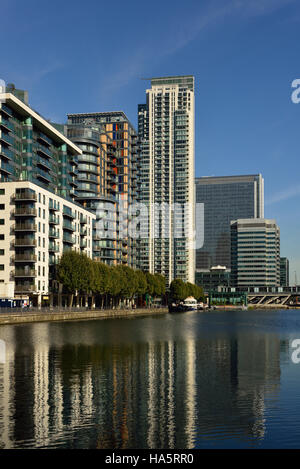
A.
x: 70, y: 272
x: 178, y: 290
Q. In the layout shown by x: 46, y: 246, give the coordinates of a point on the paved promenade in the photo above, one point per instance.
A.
x: 65, y: 315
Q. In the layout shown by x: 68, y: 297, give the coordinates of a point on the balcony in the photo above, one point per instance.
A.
x: 44, y: 151
x: 44, y: 165
x: 5, y: 123
x: 6, y: 152
x: 53, y: 261
x: 43, y: 174
x: 21, y: 242
x: 25, y: 288
x: 53, y: 220
x: 44, y: 139
x: 53, y: 205
x: 68, y: 239
x: 25, y: 195
x: 53, y: 233
x: 83, y: 219
x: 67, y: 212
x: 67, y: 225
x: 24, y: 212
x: 24, y: 227
x: 24, y: 272
x: 8, y: 139
x: 53, y: 247
x: 83, y: 244
x: 7, y: 168
x: 24, y: 258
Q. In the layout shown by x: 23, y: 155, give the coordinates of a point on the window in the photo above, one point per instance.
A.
x: 1, y: 221
x: 1, y: 266
x: 1, y: 237
x: 44, y: 199
x: 1, y: 252
x: 2, y: 206
x: 2, y: 191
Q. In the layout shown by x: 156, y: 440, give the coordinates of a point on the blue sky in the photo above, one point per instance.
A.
x: 90, y: 56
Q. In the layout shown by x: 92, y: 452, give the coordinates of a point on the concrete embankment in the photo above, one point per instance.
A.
x: 65, y: 315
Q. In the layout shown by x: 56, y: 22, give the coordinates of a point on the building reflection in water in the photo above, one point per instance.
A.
x: 77, y: 385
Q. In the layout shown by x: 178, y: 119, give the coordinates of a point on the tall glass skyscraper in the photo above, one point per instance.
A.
x: 225, y: 199
x: 166, y: 182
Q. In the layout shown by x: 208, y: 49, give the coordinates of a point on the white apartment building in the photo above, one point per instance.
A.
x: 36, y: 227
x: 166, y: 186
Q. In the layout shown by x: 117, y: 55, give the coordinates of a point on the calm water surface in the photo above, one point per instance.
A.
x: 193, y: 380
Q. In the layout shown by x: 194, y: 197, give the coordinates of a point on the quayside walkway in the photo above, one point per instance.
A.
x: 44, y: 315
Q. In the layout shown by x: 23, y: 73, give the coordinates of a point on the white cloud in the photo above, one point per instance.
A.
x: 180, y: 33
x: 284, y: 195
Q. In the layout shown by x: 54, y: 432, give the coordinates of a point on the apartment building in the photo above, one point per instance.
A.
x: 36, y: 227
x: 31, y: 149
x: 166, y: 181
x: 107, y: 179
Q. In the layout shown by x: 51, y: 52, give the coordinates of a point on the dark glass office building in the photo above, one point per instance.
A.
x: 225, y: 199
x: 284, y: 272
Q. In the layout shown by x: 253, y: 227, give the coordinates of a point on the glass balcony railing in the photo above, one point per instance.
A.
x: 24, y: 211
x: 25, y: 242
x: 6, y: 138
x: 68, y: 238
x: 53, y: 219
x: 28, y: 288
x: 5, y: 123
x: 6, y: 152
x: 44, y: 150
x: 25, y: 272
x: 6, y: 167
x: 68, y: 212
x: 67, y: 225
x: 24, y: 227
x: 53, y: 247
x: 41, y: 173
x: 53, y: 233
x: 28, y: 257
x: 25, y: 195
x: 53, y: 205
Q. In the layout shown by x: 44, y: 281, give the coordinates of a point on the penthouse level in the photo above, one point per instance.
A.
x: 32, y: 149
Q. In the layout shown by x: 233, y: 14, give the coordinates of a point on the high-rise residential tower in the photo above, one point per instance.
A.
x: 166, y: 182
x: 225, y: 198
x: 107, y: 178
